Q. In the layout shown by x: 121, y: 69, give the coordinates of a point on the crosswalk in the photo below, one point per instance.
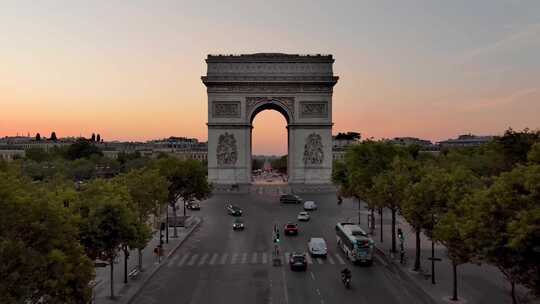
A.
x: 243, y: 258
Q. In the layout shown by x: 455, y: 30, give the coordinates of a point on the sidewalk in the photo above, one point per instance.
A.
x: 476, y: 283
x: 125, y: 292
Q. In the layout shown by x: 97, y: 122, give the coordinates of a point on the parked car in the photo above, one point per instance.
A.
x: 238, y: 224
x: 310, y: 205
x: 291, y: 229
x: 303, y: 216
x: 193, y: 206
x: 234, y: 210
x: 290, y: 199
x: 298, y: 261
x: 317, y: 247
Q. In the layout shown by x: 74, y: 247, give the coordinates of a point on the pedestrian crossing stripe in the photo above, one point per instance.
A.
x: 187, y: 259
x: 183, y: 260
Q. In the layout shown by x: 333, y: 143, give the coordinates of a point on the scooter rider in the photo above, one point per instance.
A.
x: 346, y: 273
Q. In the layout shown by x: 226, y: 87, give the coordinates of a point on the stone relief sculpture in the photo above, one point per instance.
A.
x: 313, y: 150
x: 226, y: 150
x: 226, y: 109
x: 314, y: 109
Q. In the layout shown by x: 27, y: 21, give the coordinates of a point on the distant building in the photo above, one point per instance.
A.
x: 467, y: 140
x: 341, y: 141
x: 424, y: 144
x: 181, y: 147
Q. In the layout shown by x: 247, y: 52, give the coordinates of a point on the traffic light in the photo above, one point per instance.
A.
x: 277, y: 237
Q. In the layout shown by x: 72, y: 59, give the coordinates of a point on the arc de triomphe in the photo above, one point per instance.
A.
x: 298, y: 86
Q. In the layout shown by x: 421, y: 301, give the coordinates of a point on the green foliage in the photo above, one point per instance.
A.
x: 38, y: 136
x: 256, y: 164
x: 534, y: 154
x: 516, y: 145
x: 82, y: 148
x: 36, y: 154
x: 187, y: 179
x: 53, y: 136
x: 503, y: 227
x: 364, y: 161
x: 39, y: 249
x: 280, y: 164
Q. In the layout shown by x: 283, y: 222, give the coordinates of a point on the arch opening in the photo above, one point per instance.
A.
x: 269, y: 145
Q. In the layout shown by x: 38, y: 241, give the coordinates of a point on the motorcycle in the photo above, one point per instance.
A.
x: 346, y: 281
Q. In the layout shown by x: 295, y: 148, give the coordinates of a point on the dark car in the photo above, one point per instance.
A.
x: 234, y: 210
x: 193, y: 206
x: 290, y: 199
x: 298, y: 261
x: 290, y: 229
x: 238, y: 224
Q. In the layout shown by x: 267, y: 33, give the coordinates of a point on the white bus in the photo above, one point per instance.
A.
x: 355, y: 243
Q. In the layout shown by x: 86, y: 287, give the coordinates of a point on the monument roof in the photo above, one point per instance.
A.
x: 270, y: 57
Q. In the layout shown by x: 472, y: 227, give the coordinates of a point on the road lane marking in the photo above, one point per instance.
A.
x: 309, y: 260
x: 254, y: 258
x: 244, y: 258
x: 193, y: 259
x: 183, y: 260
x: 264, y: 258
x: 213, y: 259
x: 203, y: 259
x: 312, y: 275
x: 223, y: 258
x: 341, y: 261
x: 329, y: 257
x: 318, y: 291
x: 233, y: 258
x: 174, y: 258
x: 319, y: 260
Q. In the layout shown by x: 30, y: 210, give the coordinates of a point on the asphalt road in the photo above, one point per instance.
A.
x: 218, y: 265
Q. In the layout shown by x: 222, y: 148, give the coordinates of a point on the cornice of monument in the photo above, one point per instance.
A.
x: 270, y: 57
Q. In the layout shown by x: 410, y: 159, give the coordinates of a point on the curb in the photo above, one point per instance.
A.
x: 404, y: 274
x: 129, y: 299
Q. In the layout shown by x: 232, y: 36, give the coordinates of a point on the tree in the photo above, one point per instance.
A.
x: 256, y: 164
x: 421, y: 199
x: 93, y: 137
x: 98, y: 138
x: 280, y: 164
x: 503, y: 226
x: 187, y: 181
x: 107, y: 225
x: 82, y: 148
x: 450, y: 213
x: 365, y: 161
x: 388, y: 189
x: 148, y: 191
x: 53, y: 136
x: 36, y: 154
x: 534, y: 154
x: 38, y: 137
x: 42, y: 259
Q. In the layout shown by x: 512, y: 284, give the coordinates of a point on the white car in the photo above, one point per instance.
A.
x: 317, y: 247
x: 310, y: 205
x: 303, y: 216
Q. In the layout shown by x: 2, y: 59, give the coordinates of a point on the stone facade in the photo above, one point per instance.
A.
x: 298, y: 86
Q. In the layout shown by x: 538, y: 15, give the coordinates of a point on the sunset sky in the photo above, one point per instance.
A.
x: 130, y: 70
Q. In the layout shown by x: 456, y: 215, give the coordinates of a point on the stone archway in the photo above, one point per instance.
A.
x: 298, y: 86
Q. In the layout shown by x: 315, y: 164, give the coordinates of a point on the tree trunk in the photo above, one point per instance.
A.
x: 126, y: 256
x: 175, y: 220
x: 184, y: 203
x: 393, y: 230
x: 111, y: 263
x: 381, y: 218
x: 139, y: 251
x: 514, y: 300
x: 372, y: 220
x: 454, y: 292
x: 417, y: 258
